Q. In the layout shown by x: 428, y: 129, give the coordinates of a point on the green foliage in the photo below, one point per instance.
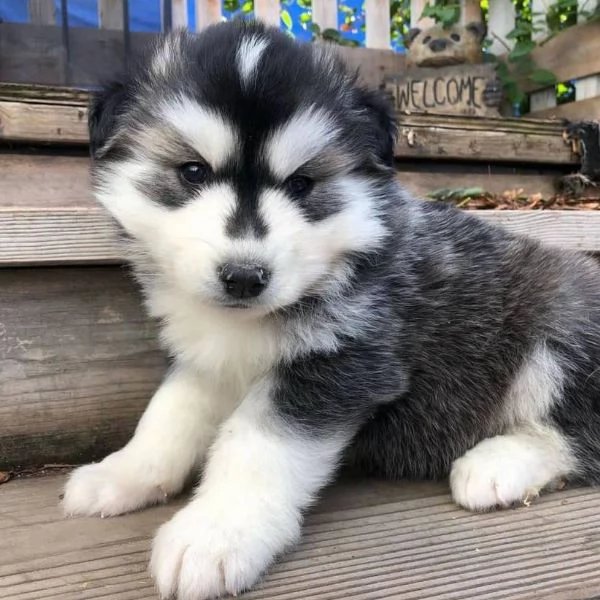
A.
x: 331, y: 35
x: 286, y: 19
x: 518, y: 65
x: 444, y: 13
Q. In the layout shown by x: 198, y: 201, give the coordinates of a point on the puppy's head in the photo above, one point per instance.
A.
x: 246, y: 166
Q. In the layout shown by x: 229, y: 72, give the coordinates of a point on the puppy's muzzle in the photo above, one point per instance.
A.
x: 243, y: 281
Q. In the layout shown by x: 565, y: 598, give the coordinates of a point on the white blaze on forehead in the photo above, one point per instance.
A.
x: 248, y: 56
x: 165, y: 56
x: 305, y: 135
x: 203, y: 128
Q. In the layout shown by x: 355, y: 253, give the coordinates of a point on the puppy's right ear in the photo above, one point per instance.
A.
x: 104, y: 111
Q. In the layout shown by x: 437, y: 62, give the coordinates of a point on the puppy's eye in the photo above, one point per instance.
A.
x: 455, y: 37
x: 195, y: 173
x: 298, y: 185
x: 427, y: 39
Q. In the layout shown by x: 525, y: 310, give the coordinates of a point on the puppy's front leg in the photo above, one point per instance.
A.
x: 172, y: 436
x: 262, y: 472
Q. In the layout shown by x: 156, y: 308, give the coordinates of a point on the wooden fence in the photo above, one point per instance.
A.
x: 47, y: 53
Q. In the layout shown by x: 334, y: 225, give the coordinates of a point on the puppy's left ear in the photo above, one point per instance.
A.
x: 383, y: 122
x: 104, y: 111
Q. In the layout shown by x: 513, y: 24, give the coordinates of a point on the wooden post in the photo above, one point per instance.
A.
x: 207, y: 13
x: 268, y: 11
x: 501, y: 20
x: 586, y: 87
x: 377, y: 15
x: 416, y: 10
x: 325, y: 14
x: 179, y: 12
x: 110, y: 14
x: 42, y: 12
x: 470, y: 11
x: 544, y: 98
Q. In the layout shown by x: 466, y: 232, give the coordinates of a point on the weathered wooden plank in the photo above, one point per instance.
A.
x: 501, y: 140
x: 545, y: 98
x: 43, y: 94
x: 268, y: 11
x: 420, y: 135
x: 26, y: 121
x: 586, y: 87
x: 179, y: 10
x: 428, y: 180
x: 42, y: 12
x: 83, y: 236
x: 48, y: 215
x: 55, y: 236
x: 470, y: 11
x: 34, y: 54
x: 377, y: 17
x: 577, y: 230
x: 373, y: 65
x: 365, y: 539
x: 573, y: 54
x: 325, y: 14
x: 574, y: 111
x: 78, y: 363
x: 37, y: 181
x: 110, y: 14
x: 501, y: 20
x: 207, y: 12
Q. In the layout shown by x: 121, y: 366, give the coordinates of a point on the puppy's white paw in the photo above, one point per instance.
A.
x: 117, y: 485
x: 212, y: 548
x: 498, y: 472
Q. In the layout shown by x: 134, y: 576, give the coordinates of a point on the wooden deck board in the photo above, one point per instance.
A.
x: 48, y: 215
x: 365, y: 540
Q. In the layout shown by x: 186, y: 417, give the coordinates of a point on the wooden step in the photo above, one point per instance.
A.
x: 48, y: 215
x: 48, y: 115
x: 366, y: 539
x: 78, y: 363
x: 78, y: 357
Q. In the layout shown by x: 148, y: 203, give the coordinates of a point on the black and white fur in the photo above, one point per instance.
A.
x: 404, y: 337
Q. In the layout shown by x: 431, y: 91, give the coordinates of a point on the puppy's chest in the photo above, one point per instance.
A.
x: 223, y: 347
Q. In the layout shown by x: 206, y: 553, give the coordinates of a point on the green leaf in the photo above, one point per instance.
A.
x: 513, y: 93
x: 521, y: 29
x: 231, y: 5
x: 248, y: 7
x: 502, y: 69
x: 456, y: 194
x: 543, y: 77
x: 521, y: 49
x: 286, y: 18
x: 305, y: 17
x: 332, y: 34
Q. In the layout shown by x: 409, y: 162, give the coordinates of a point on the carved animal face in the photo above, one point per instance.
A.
x: 439, y: 47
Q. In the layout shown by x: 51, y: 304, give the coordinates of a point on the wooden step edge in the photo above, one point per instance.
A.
x: 420, y: 136
x: 57, y: 236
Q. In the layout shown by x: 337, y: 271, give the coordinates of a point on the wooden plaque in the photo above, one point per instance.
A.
x: 454, y: 90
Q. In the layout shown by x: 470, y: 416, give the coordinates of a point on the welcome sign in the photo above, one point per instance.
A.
x: 455, y: 90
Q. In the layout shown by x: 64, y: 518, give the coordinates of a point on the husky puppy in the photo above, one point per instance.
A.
x: 316, y: 313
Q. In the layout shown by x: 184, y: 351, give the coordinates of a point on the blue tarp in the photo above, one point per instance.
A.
x: 144, y: 15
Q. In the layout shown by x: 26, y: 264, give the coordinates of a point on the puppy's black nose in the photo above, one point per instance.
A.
x: 438, y: 45
x: 244, y: 281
